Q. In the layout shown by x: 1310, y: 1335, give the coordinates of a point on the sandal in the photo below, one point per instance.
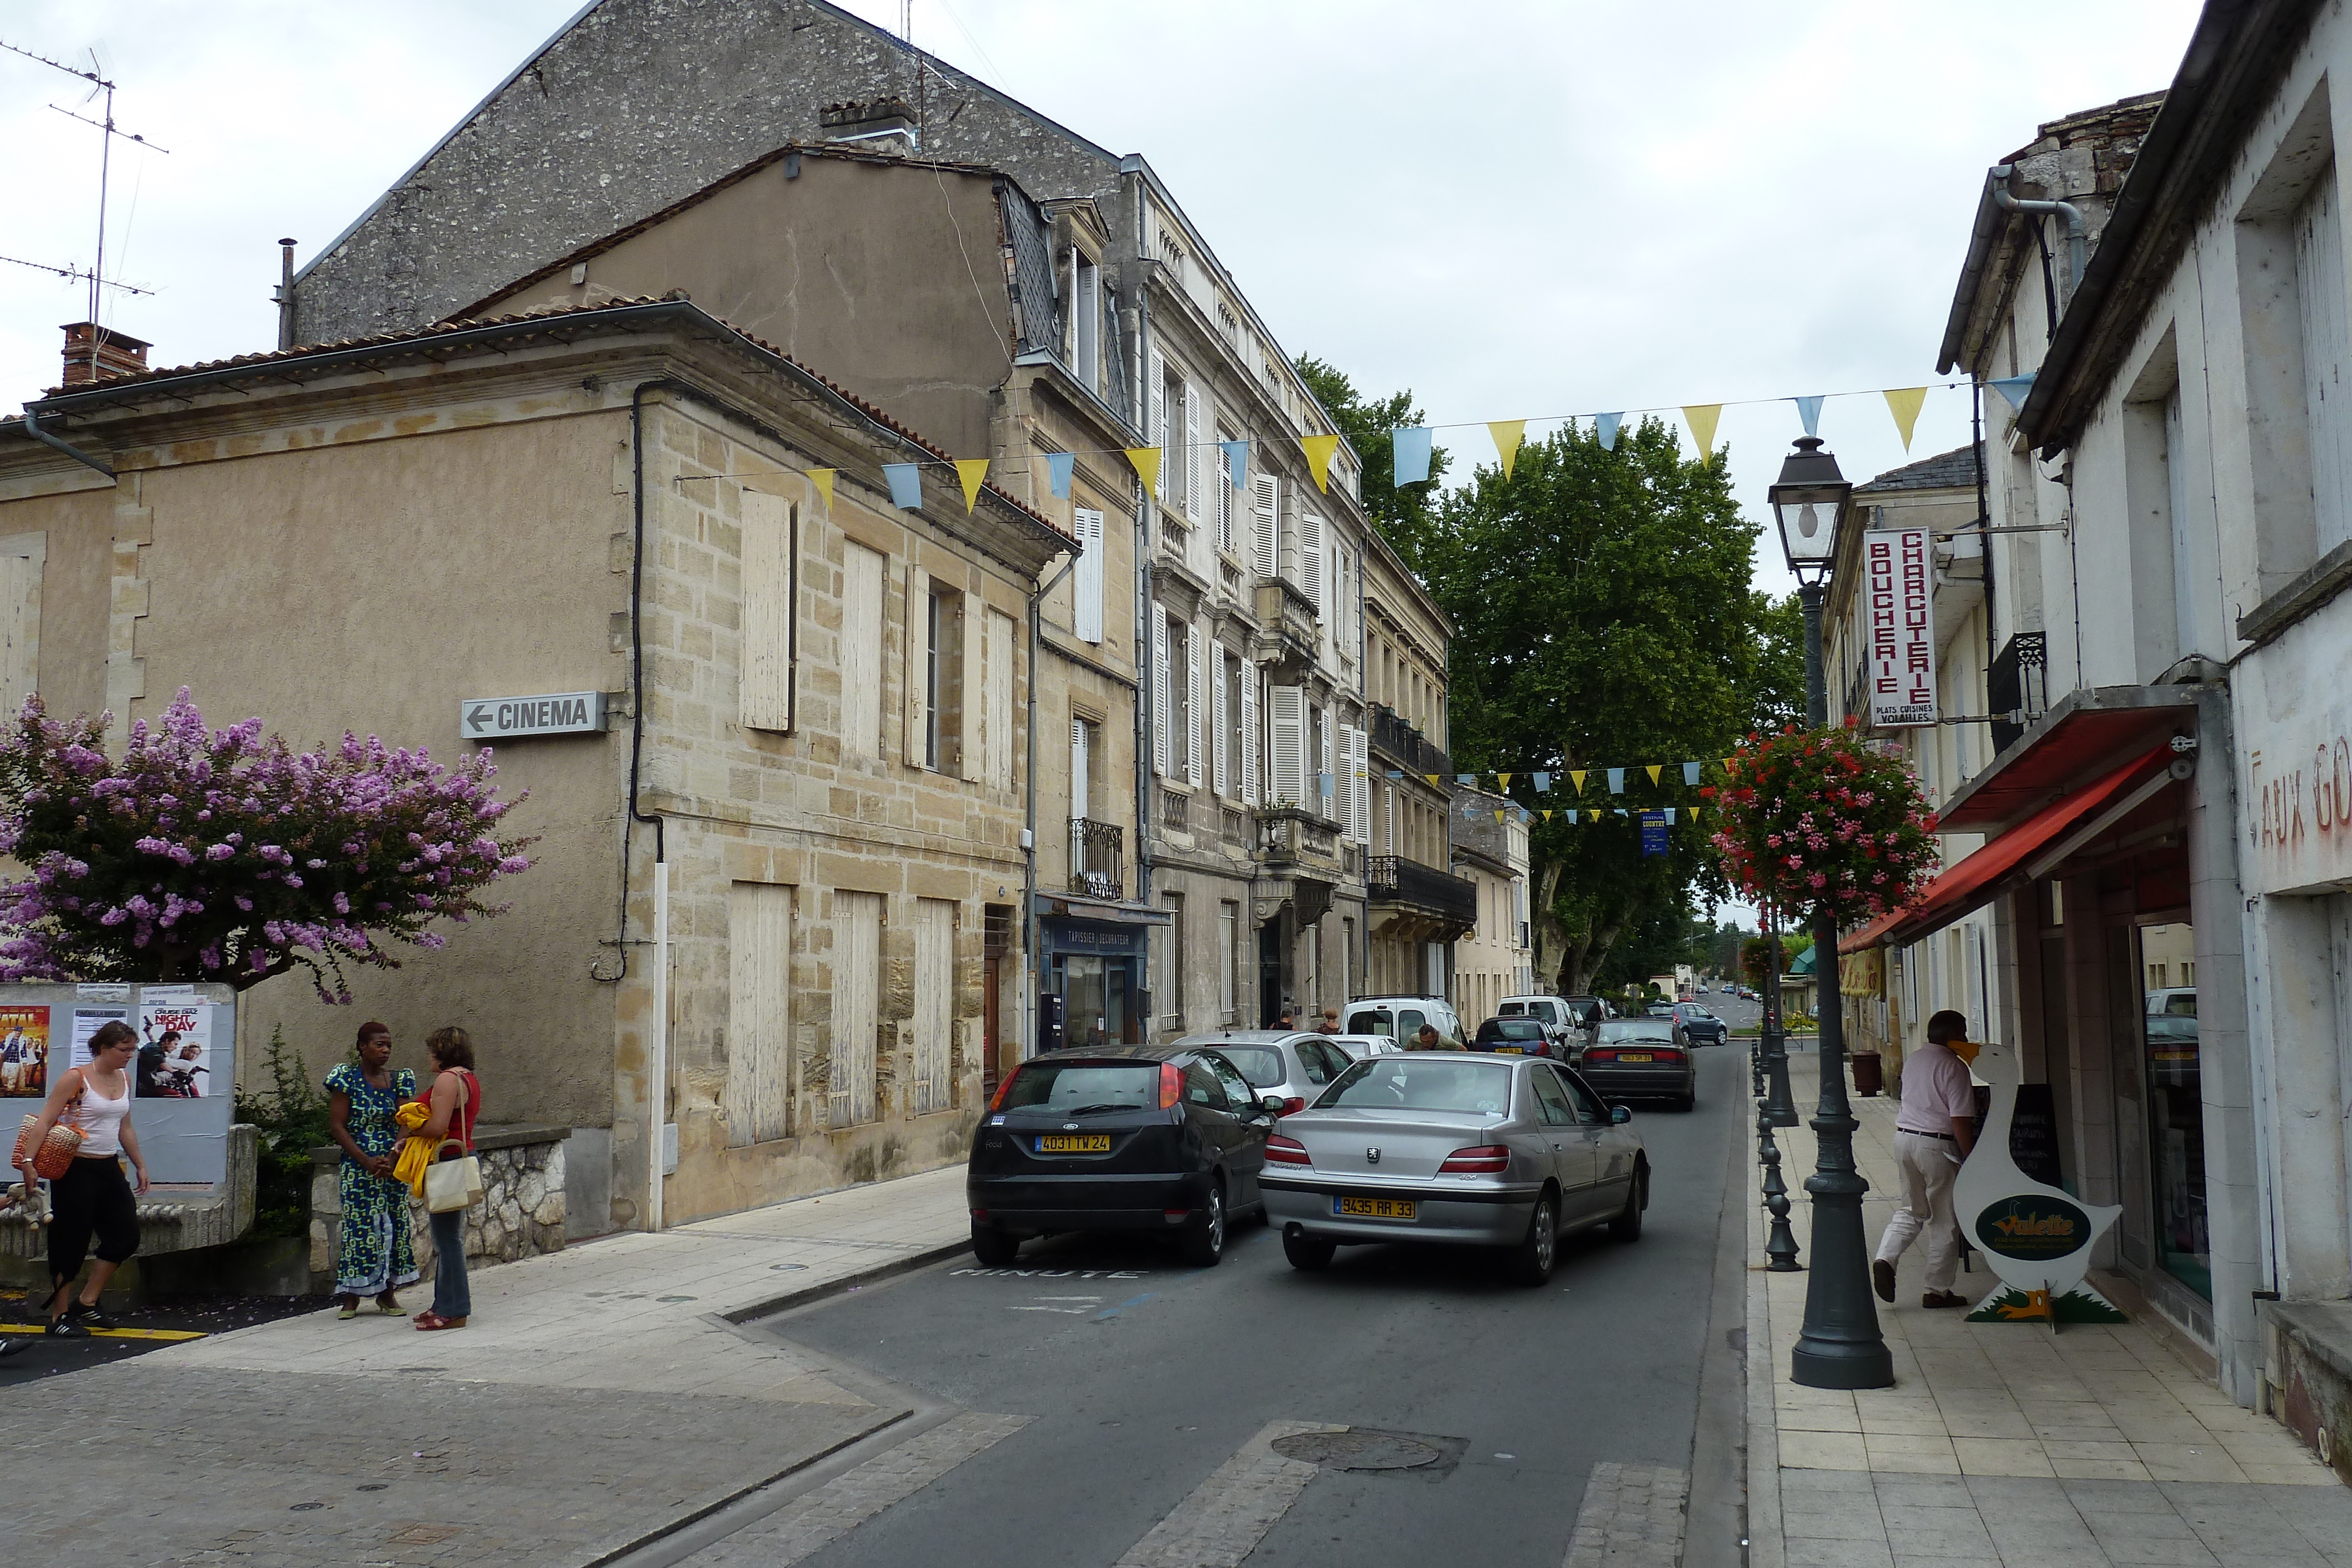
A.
x: 386, y: 1305
x: 427, y: 1323
x: 346, y: 1311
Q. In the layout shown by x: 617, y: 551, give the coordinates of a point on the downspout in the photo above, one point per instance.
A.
x: 1029, y: 833
x: 1984, y: 523
x: 658, y: 1053
x: 1997, y: 176
x: 1145, y: 689
x: 75, y: 452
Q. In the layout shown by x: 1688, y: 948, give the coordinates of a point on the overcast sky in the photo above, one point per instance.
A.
x: 1516, y: 210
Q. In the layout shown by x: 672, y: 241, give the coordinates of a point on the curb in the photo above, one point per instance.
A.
x: 840, y: 1284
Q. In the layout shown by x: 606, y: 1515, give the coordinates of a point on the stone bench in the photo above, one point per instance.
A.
x: 521, y: 1215
x: 170, y: 1220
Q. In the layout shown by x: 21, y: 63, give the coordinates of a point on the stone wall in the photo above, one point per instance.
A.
x: 522, y: 1213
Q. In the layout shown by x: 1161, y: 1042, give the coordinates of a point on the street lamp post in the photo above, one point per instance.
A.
x: 1775, y: 1110
x: 1839, y: 1345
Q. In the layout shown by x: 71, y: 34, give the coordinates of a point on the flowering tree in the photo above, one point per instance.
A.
x: 225, y: 856
x: 1820, y: 819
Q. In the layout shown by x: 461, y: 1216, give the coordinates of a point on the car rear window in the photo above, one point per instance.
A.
x: 1371, y: 1022
x: 1513, y: 1010
x: 1073, y: 1086
x: 1421, y: 1083
x: 1512, y: 1029
x: 1635, y: 1028
x: 1261, y: 1065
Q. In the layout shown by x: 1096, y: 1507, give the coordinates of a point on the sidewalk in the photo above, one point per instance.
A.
x: 599, y: 1397
x: 1999, y: 1443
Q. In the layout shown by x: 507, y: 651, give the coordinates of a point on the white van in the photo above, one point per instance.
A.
x: 1553, y: 1012
x: 1401, y: 1018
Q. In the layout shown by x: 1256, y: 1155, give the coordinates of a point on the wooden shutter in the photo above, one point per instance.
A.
x: 1223, y: 775
x: 997, y: 709
x: 1195, y: 708
x: 1249, y: 758
x: 1326, y: 767
x: 1161, y: 728
x: 1155, y: 391
x: 1079, y: 785
x: 864, y: 576
x: 1290, y: 726
x: 763, y: 680
x: 1087, y: 576
x: 1196, y: 493
x: 759, y: 1013
x: 20, y: 624
x: 915, y: 690
x: 1310, y: 560
x: 1265, y: 505
x: 934, y: 1075
x: 856, y: 1014
x: 1363, y: 787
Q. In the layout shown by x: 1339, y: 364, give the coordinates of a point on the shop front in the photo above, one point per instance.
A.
x: 1091, y: 980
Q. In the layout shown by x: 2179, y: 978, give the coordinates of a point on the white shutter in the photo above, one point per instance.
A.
x: 997, y: 715
x: 1249, y: 758
x: 758, y: 1095
x: 1326, y: 766
x: 915, y: 690
x: 1194, y: 709
x: 1078, y: 801
x: 1389, y: 829
x: 1088, y: 576
x: 934, y: 1085
x: 1351, y: 781
x: 857, y: 1019
x: 1267, y: 504
x: 1310, y: 560
x: 1290, y: 726
x: 1196, y: 493
x: 1161, y: 731
x: 764, y: 679
x: 1217, y: 710
x: 1155, y: 391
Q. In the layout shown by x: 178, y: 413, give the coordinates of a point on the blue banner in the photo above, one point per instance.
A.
x: 1236, y: 463
x: 1654, y: 832
x: 1412, y: 455
x: 1058, y: 465
x: 1809, y: 409
x: 1616, y: 780
x: 1690, y: 773
x: 906, y: 485
x: 1604, y: 425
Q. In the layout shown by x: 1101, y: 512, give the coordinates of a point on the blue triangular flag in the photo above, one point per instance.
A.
x: 1571, y: 815
x: 1236, y: 463
x: 1057, y: 467
x: 1690, y: 772
x: 1323, y: 783
x: 1465, y: 778
x: 1670, y: 815
x: 1411, y: 453
x: 1543, y: 783
x: 2013, y: 388
x: 1809, y: 409
x: 1395, y: 773
x: 1623, y: 812
x: 906, y: 485
x: 1617, y: 782
x: 1604, y: 425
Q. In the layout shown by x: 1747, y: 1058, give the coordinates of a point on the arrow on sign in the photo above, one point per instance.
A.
x: 479, y: 716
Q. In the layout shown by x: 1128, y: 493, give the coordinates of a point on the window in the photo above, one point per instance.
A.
x: 861, y: 649
x: 1221, y: 487
x: 1086, y: 320
x: 1168, y: 415
x: 1201, y: 1087
x: 1236, y: 1088
x: 764, y: 678
x: 934, y: 682
x: 1229, y: 961
x: 1261, y: 1066
x: 1551, y: 1099
x: 931, y: 681
x: 1170, y: 1003
x: 2319, y: 287
x: 1087, y: 577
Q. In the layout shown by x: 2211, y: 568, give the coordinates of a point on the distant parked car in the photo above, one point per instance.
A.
x: 1517, y: 1037
x: 1693, y: 1025
x: 1553, y: 1013
x: 1639, y: 1056
x: 1401, y: 1018
x: 1360, y: 1046
x: 1295, y: 1065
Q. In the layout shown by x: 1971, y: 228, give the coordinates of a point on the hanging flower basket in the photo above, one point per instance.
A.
x: 1820, y: 819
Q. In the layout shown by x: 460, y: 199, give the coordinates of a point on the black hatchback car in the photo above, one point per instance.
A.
x: 1513, y: 1037
x: 1134, y: 1138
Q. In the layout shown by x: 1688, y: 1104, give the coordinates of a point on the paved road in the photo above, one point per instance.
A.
x: 1102, y: 1404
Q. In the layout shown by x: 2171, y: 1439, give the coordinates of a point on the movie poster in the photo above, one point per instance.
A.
x: 175, y: 1050
x: 24, y: 1052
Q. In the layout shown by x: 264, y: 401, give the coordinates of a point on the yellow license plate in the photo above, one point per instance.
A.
x: 1375, y: 1207
x: 1073, y: 1144
x: 1634, y: 1056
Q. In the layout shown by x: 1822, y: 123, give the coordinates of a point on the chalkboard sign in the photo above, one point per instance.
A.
x: 2032, y: 1132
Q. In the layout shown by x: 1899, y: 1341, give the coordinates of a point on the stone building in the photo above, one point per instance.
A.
x: 1416, y: 906
x: 818, y: 708
x: 1490, y: 852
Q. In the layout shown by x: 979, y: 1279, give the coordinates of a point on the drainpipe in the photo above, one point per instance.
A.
x: 1029, y: 833
x: 75, y: 452
x: 285, y: 295
x: 1997, y: 176
x: 1145, y: 687
x: 657, y: 1051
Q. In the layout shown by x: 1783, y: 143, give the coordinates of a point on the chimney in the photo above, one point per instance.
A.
x: 94, y: 353
x: 875, y: 123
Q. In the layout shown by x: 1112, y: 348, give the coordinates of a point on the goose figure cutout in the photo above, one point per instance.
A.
x: 2036, y: 1239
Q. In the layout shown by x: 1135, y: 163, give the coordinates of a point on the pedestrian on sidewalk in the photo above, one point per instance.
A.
x: 1933, y: 1133
x: 1330, y: 1022
x: 92, y: 1198
x: 375, y: 1255
x: 456, y: 1100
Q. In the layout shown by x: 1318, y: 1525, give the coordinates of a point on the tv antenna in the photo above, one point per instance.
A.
x: 100, y: 86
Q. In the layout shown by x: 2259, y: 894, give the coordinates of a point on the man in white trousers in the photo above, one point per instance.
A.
x: 1933, y: 1133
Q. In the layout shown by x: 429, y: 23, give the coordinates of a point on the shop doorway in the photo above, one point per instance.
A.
x: 1269, y: 973
x: 1094, y: 999
x: 2167, y: 971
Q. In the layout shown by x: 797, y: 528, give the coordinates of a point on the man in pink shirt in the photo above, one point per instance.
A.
x: 1933, y: 1133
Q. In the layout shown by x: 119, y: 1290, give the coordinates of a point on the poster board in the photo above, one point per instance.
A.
x: 182, y: 1102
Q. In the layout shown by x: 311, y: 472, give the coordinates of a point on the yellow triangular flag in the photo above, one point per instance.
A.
x: 1547, y: 816
x: 823, y: 479
x: 1904, y: 403
x: 971, y: 471
x: 1507, y: 434
x: 1318, y: 457
x: 1576, y: 777
x: 1147, y: 463
x: 1506, y: 779
x: 1702, y: 417
x: 1653, y: 769
x: 1432, y: 782
x: 1498, y: 816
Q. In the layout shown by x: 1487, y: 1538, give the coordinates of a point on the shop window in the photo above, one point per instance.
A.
x: 2177, y: 1119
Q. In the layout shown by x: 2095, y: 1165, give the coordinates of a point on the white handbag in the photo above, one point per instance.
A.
x: 451, y: 1185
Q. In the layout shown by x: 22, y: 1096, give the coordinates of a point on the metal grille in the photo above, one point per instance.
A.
x: 2018, y: 681
x: 1032, y: 270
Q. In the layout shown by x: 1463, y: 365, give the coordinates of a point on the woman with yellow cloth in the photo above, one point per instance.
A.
x: 367, y: 1103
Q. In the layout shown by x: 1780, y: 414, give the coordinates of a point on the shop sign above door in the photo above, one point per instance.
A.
x: 510, y: 718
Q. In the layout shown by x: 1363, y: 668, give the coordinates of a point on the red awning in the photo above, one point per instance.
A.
x: 1972, y: 883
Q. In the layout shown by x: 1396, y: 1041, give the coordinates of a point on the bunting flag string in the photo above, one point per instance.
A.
x: 1059, y: 466
x: 1147, y: 467
x: 971, y: 471
x: 1319, y: 450
x: 1702, y: 418
x: 823, y: 479
x: 1507, y: 433
x: 1903, y: 404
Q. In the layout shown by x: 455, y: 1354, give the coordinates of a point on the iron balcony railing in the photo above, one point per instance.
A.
x: 2018, y: 683
x: 1098, y: 858
x: 1392, y: 879
x: 1413, y: 751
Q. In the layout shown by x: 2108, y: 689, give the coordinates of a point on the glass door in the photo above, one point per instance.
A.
x: 2175, y: 1105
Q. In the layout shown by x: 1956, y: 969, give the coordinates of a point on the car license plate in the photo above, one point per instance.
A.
x: 1634, y: 1056
x: 1073, y: 1144
x: 1506, y: 1050
x: 1374, y: 1207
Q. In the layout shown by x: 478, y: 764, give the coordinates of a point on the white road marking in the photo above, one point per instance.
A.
x: 1224, y: 1518
x: 810, y: 1522
x: 1073, y: 1311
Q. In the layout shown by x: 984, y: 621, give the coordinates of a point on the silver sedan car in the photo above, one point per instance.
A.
x: 1446, y: 1147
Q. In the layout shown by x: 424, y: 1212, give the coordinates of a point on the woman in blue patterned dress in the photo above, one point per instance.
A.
x: 377, y: 1255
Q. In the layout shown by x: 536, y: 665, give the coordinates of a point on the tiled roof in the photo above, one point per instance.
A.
x: 1953, y: 470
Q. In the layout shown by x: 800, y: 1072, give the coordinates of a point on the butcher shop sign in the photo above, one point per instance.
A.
x: 1898, y: 599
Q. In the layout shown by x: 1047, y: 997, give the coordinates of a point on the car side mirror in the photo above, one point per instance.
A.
x: 1619, y: 1116
x: 1270, y: 1104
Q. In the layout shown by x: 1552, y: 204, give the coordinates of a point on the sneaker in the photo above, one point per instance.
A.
x: 88, y: 1315
x: 1882, y: 1277
x: 1943, y: 1299
x: 66, y: 1328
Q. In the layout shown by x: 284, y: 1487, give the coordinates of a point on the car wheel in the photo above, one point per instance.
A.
x: 992, y: 1246
x: 1307, y: 1252
x: 1686, y: 1102
x: 1532, y: 1260
x: 1204, y: 1238
x: 1627, y: 1226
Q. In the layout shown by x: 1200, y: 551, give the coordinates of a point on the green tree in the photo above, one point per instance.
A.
x: 1604, y: 617
x: 1405, y: 516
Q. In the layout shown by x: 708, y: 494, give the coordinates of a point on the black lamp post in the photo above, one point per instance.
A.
x: 1840, y: 1346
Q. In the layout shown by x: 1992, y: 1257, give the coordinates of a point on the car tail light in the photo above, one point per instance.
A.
x: 1292, y: 1105
x: 1282, y: 1151
x: 1480, y: 1160
x: 1666, y: 1053
x: 996, y: 1101
x: 980, y: 1214
x: 1172, y: 1085
x: 1595, y: 1053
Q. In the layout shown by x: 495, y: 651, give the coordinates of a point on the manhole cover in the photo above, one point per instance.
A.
x: 376, y: 1486
x: 1357, y: 1450
x: 304, y: 1507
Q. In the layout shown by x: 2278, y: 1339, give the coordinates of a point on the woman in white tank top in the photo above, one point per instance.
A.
x: 93, y: 1199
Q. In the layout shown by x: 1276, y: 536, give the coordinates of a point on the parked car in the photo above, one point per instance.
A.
x: 1152, y: 1138
x: 1438, y: 1148
x: 1695, y: 1026
x: 1401, y: 1018
x: 1659, y: 1009
x: 1360, y: 1046
x: 1553, y: 1013
x: 1292, y: 1063
x: 1517, y: 1037
x: 1639, y: 1056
